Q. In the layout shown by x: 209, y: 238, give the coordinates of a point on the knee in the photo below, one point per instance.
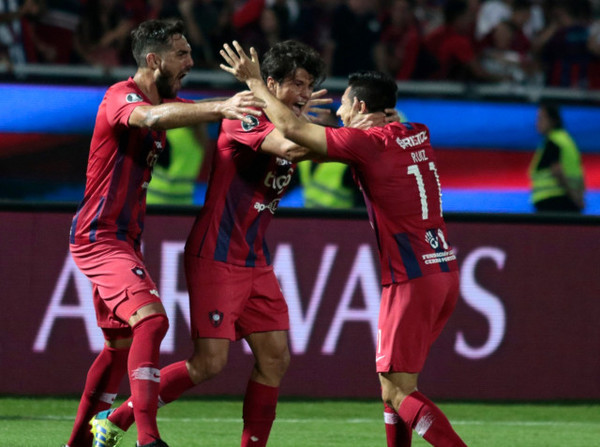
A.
x: 205, y: 366
x: 393, y: 394
x: 155, y: 325
x: 274, y: 364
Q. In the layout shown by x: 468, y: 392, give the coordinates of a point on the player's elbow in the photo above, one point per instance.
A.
x: 296, y: 154
x: 146, y: 117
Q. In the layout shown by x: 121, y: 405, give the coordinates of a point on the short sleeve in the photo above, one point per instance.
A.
x: 347, y: 144
x: 249, y: 134
x: 120, y: 102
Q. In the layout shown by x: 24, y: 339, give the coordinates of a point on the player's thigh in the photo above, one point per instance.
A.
x: 408, y: 321
x: 121, y: 283
x: 448, y: 291
x: 266, y: 309
x: 218, y: 293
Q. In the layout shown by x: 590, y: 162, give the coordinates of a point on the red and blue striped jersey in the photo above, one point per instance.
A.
x: 244, y: 190
x: 119, y: 169
x: 396, y: 169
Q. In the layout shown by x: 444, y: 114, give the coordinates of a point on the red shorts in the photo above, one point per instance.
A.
x: 231, y: 301
x: 120, y: 283
x: 411, y: 317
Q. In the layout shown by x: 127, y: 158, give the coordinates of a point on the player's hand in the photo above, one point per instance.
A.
x: 364, y: 121
x: 241, y: 104
x: 392, y: 116
x: 313, y: 111
x: 244, y: 68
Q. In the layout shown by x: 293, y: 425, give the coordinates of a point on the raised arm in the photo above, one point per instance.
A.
x: 180, y: 114
x: 296, y: 129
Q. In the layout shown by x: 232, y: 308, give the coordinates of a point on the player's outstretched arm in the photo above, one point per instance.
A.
x: 247, y: 70
x: 179, y: 114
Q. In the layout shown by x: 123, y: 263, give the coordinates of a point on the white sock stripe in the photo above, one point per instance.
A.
x: 424, y: 424
x: 146, y: 373
x: 109, y: 398
x: 390, y: 418
x: 161, y: 403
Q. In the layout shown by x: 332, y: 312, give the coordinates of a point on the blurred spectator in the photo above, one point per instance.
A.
x: 266, y: 34
x: 354, y: 33
x: 262, y: 22
x: 562, y: 46
x: 523, y: 13
x: 556, y: 170
x: 400, y: 42
x: 103, y: 33
x: 206, y: 21
x: 430, y: 14
x: 453, y: 46
x: 505, y: 53
x: 594, y: 47
x: 287, y: 12
x: 13, y: 18
x: 51, y: 33
x: 313, y: 26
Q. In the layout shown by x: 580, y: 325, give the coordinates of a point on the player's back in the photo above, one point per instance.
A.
x: 400, y: 178
x: 395, y: 166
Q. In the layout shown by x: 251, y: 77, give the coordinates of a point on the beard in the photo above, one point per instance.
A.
x: 164, y: 87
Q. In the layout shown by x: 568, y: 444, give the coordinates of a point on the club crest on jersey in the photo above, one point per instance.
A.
x: 251, y: 125
x: 139, y: 271
x: 133, y: 97
x: 215, y: 317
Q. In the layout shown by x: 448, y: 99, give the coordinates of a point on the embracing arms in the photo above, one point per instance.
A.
x: 180, y: 114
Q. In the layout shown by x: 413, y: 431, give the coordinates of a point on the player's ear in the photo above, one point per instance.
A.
x: 271, y: 83
x: 152, y: 61
x: 362, y: 107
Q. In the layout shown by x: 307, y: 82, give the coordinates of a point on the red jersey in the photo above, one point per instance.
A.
x: 119, y: 169
x: 395, y: 167
x: 244, y: 190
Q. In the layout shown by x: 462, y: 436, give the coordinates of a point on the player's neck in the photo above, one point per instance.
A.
x: 145, y: 82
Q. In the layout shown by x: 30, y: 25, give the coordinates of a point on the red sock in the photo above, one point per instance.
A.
x: 396, y: 431
x: 144, y: 375
x: 174, y: 381
x: 101, y: 386
x: 428, y: 421
x: 260, y: 403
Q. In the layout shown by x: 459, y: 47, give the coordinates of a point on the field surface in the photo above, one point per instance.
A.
x: 46, y: 422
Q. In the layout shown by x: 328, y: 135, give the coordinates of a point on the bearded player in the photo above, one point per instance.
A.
x: 234, y: 292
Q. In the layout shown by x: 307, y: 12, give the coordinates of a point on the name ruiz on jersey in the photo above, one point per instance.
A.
x: 412, y: 141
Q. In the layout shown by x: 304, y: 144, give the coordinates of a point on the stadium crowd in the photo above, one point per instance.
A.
x: 528, y: 42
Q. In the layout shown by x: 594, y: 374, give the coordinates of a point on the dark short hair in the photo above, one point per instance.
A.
x: 553, y: 113
x: 375, y: 88
x: 284, y: 58
x: 153, y: 36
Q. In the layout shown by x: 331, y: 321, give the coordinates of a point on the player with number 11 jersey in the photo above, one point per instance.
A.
x: 396, y: 168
